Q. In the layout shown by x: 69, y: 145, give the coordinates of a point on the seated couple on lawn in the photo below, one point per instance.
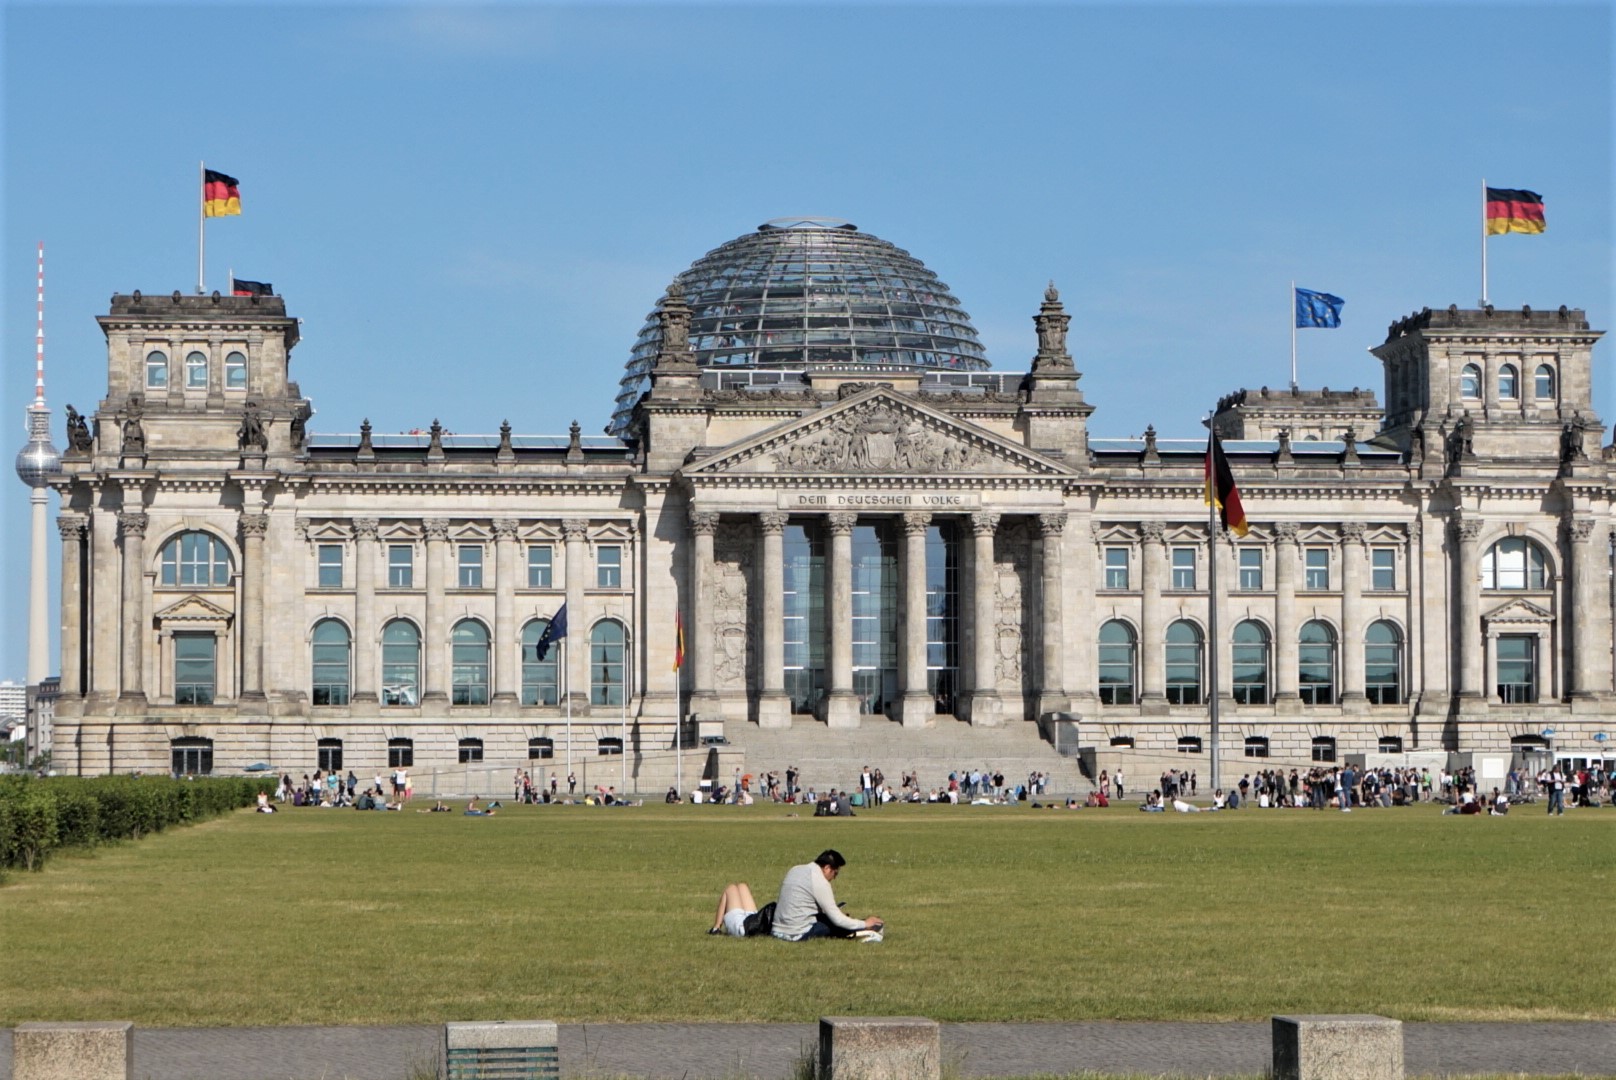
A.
x: 807, y: 907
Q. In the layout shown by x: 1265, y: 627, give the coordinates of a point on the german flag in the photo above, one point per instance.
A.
x: 221, y: 194
x: 678, y: 640
x: 1220, y: 489
x: 1510, y: 210
x: 243, y: 287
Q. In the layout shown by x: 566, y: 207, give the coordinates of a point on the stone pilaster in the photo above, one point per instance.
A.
x: 1152, y: 618
x: 1467, y: 593
x: 1352, y: 622
x: 71, y: 528
x: 986, y: 707
x: 106, y: 629
x: 506, y: 653
x: 575, y: 537
x: 774, y: 706
x: 132, y: 531
x: 435, y: 635
x: 841, y: 704
x: 1286, y: 557
x: 1052, y: 696
x: 251, y: 622
x: 1590, y: 645
x: 919, y: 707
x: 364, y: 631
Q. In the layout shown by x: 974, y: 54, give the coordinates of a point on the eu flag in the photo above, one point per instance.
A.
x: 1317, y: 309
x: 552, y: 633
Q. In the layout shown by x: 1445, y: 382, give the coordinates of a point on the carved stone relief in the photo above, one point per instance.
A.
x: 878, y: 439
x: 1013, y: 630
x: 733, y: 547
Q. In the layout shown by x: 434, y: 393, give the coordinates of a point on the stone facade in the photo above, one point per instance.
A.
x: 235, y: 585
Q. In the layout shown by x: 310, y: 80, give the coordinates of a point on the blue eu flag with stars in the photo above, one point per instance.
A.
x: 552, y: 633
x: 1317, y: 309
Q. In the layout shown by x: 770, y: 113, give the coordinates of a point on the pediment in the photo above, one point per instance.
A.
x: 1519, y: 611
x: 326, y: 530
x: 193, y: 609
x: 399, y: 532
x: 874, y: 433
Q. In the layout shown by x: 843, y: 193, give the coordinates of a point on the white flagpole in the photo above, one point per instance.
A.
x: 566, y: 682
x: 623, y: 697
x: 1293, y: 334
x: 201, y: 220
x: 1484, y: 241
x: 1213, y: 640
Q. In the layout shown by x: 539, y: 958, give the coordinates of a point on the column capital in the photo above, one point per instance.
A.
x: 71, y: 526
x: 254, y: 526
x: 984, y: 523
x: 773, y: 522
x: 504, y: 528
x: 1285, y: 532
x: 575, y: 529
x: 1580, y: 530
x: 1352, y: 532
x: 1154, y: 532
x: 841, y: 522
x: 916, y: 522
x: 436, y: 528
x: 703, y: 522
x: 1051, y: 524
x: 1467, y: 527
x: 132, y: 522
x: 365, y: 528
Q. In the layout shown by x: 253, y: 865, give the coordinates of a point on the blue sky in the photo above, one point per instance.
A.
x: 473, y: 207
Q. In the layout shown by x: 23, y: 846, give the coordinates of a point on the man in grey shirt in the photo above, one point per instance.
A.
x: 807, y: 905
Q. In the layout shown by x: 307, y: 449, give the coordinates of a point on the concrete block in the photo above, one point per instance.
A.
x: 1347, y: 1047
x: 501, y: 1050
x: 97, y: 1050
x: 879, y: 1048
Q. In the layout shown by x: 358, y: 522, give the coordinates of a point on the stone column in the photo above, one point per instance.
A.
x: 919, y: 707
x: 1152, y: 619
x: 1285, y: 644
x: 105, y: 614
x: 841, y: 705
x: 364, y: 631
x: 1590, y: 645
x: 1352, y: 624
x: 704, y: 691
x: 986, y: 707
x: 71, y: 528
x: 434, y: 635
x: 132, y: 528
x: 575, y: 535
x: 774, y: 707
x: 1052, y: 696
x: 1467, y: 592
x: 251, y: 622
x: 507, y: 650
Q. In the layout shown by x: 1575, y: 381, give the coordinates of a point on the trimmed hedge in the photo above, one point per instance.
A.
x: 38, y: 816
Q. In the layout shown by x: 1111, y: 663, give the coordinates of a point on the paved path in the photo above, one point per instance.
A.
x: 769, y: 1051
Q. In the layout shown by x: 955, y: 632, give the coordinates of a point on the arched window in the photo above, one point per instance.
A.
x: 1470, y: 382
x: 1508, y: 383
x: 1249, y: 660
x: 1543, y: 383
x: 1383, y: 664
x: 1514, y: 563
x: 606, y: 643
x: 332, y: 649
x: 156, y: 371
x: 196, y: 371
x: 235, y: 371
x: 195, y: 559
x: 1315, y: 664
x: 469, y: 645
x: 401, y: 663
x: 1184, y: 663
x: 540, y: 678
x: 190, y: 756
x: 1118, y: 653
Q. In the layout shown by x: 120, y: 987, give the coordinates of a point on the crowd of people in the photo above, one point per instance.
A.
x: 329, y: 788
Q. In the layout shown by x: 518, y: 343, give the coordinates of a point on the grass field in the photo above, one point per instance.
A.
x: 581, y: 914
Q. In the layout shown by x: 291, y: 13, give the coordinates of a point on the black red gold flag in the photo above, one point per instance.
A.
x: 221, y: 194
x: 243, y: 287
x: 1514, y: 210
x: 1220, y: 488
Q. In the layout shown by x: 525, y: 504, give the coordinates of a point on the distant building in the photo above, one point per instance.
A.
x: 856, y: 524
x: 13, y: 701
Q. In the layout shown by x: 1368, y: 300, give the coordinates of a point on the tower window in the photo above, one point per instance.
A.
x: 1508, y: 383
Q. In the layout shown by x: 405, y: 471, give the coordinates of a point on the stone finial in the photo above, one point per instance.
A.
x: 1284, y: 454
x: 1151, y: 454
x: 1052, y: 322
x: 434, y: 446
x: 673, y: 318
x: 1349, y: 455
x: 575, y: 443
x: 367, y: 452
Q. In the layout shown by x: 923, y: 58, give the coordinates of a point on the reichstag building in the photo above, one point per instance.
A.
x: 814, y: 478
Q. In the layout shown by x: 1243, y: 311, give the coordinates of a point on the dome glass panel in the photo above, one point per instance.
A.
x: 810, y: 292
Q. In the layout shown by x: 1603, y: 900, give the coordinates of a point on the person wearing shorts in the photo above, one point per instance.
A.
x: 735, y: 903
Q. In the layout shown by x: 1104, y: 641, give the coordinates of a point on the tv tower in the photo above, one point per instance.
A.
x: 35, y: 464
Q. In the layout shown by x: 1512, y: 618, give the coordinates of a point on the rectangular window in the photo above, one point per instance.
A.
x: 471, y: 566
x: 400, y: 753
x: 328, y: 755
x: 608, y: 567
x: 1323, y: 748
x: 330, y: 559
x: 400, y: 566
x: 1251, y: 576
x: 1256, y: 746
x: 194, y: 669
x: 1517, y: 669
x: 1382, y: 569
x: 539, y: 566
x: 803, y: 615
x: 1318, y: 568
x: 1183, y: 568
x: 1116, y: 568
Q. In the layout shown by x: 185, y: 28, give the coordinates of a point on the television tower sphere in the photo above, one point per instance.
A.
x: 39, y: 459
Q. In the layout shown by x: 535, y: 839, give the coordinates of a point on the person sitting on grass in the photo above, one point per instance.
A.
x: 807, y: 907
x: 440, y: 807
x: 473, y: 811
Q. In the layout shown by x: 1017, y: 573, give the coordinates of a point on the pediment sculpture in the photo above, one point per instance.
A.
x: 880, y: 439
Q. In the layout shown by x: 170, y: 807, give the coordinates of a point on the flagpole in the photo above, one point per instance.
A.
x: 1293, y: 333
x: 679, y: 725
x: 566, y: 682
x: 201, y: 220
x: 1213, y: 640
x: 624, y: 698
x: 1483, y: 241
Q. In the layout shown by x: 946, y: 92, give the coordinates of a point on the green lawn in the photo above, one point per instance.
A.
x: 581, y: 914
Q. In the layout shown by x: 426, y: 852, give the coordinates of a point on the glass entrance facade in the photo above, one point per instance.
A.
x: 942, y: 616
x: 875, y: 616
x: 804, y: 612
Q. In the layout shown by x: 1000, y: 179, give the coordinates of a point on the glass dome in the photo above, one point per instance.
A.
x: 807, y: 292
